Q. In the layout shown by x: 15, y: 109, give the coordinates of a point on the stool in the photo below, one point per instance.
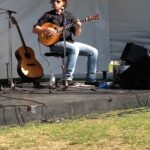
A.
x: 61, y: 55
x: 55, y: 54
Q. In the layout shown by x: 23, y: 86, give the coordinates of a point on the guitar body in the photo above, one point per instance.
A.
x: 28, y: 67
x: 49, y: 40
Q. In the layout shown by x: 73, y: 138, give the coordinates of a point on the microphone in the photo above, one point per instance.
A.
x: 63, y: 9
x: 11, y: 11
x: 8, y: 11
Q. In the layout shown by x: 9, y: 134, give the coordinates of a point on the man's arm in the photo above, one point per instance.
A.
x: 37, y: 29
x: 49, y: 31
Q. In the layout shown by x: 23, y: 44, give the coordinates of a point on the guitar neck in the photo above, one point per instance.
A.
x: 21, y: 37
x: 72, y: 24
x: 20, y: 34
x: 81, y: 20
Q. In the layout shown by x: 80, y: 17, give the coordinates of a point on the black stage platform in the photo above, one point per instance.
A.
x: 28, y: 104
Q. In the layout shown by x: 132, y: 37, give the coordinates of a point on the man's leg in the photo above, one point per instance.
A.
x: 72, y: 55
x: 92, y: 54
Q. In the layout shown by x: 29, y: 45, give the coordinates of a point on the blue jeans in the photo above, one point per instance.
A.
x: 74, y: 50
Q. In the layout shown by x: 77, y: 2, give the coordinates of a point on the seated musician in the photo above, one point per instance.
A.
x: 73, y: 48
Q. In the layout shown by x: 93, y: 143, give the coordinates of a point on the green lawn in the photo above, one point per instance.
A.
x: 118, y: 130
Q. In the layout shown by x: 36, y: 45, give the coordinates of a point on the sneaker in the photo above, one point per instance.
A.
x: 71, y: 82
x: 95, y: 83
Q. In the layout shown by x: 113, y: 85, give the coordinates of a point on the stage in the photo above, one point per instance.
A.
x: 27, y: 104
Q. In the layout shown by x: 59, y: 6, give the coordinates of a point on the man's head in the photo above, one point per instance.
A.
x: 64, y: 3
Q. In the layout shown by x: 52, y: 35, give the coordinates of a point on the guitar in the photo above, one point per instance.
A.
x: 48, y: 40
x: 28, y: 67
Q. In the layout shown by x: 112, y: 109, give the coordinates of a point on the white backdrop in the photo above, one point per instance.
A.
x: 28, y: 11
x: 129, y: 22
x: 121, y: 21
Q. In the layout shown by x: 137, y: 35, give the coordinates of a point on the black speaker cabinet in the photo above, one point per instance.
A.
x: 137, y: 76
x: 133, y: 53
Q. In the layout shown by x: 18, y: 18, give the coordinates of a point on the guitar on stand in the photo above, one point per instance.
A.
x: 28, y: 68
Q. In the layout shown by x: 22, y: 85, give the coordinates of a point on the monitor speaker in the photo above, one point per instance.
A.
x: 137, y: 76
x: 133, y: 53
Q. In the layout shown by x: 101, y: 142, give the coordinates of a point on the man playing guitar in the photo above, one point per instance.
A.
x: 74, y: 49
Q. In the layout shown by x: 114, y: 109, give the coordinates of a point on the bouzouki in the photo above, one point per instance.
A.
x: 28, y: 67
x: 49, y: 40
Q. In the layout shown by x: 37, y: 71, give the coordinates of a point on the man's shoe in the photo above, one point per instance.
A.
x: 95, y: 83
x: 71, y: 82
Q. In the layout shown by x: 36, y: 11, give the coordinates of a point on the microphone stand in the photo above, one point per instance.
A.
x: 10, y: 64
x: 64, y: 58
x: 9, y: 12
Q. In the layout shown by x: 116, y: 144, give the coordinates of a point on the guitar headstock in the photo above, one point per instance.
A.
x: 93, y: 18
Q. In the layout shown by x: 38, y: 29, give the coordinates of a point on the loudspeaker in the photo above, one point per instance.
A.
x: 137, y: 76
x: 133, y: 53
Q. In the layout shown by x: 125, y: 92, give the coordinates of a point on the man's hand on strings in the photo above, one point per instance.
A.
x: 50, y: 31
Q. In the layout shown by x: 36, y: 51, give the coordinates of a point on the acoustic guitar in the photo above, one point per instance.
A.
x: 28, y: 67
x: 48, y: 40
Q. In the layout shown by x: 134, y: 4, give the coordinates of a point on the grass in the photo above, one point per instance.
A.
x: 118, y: 130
